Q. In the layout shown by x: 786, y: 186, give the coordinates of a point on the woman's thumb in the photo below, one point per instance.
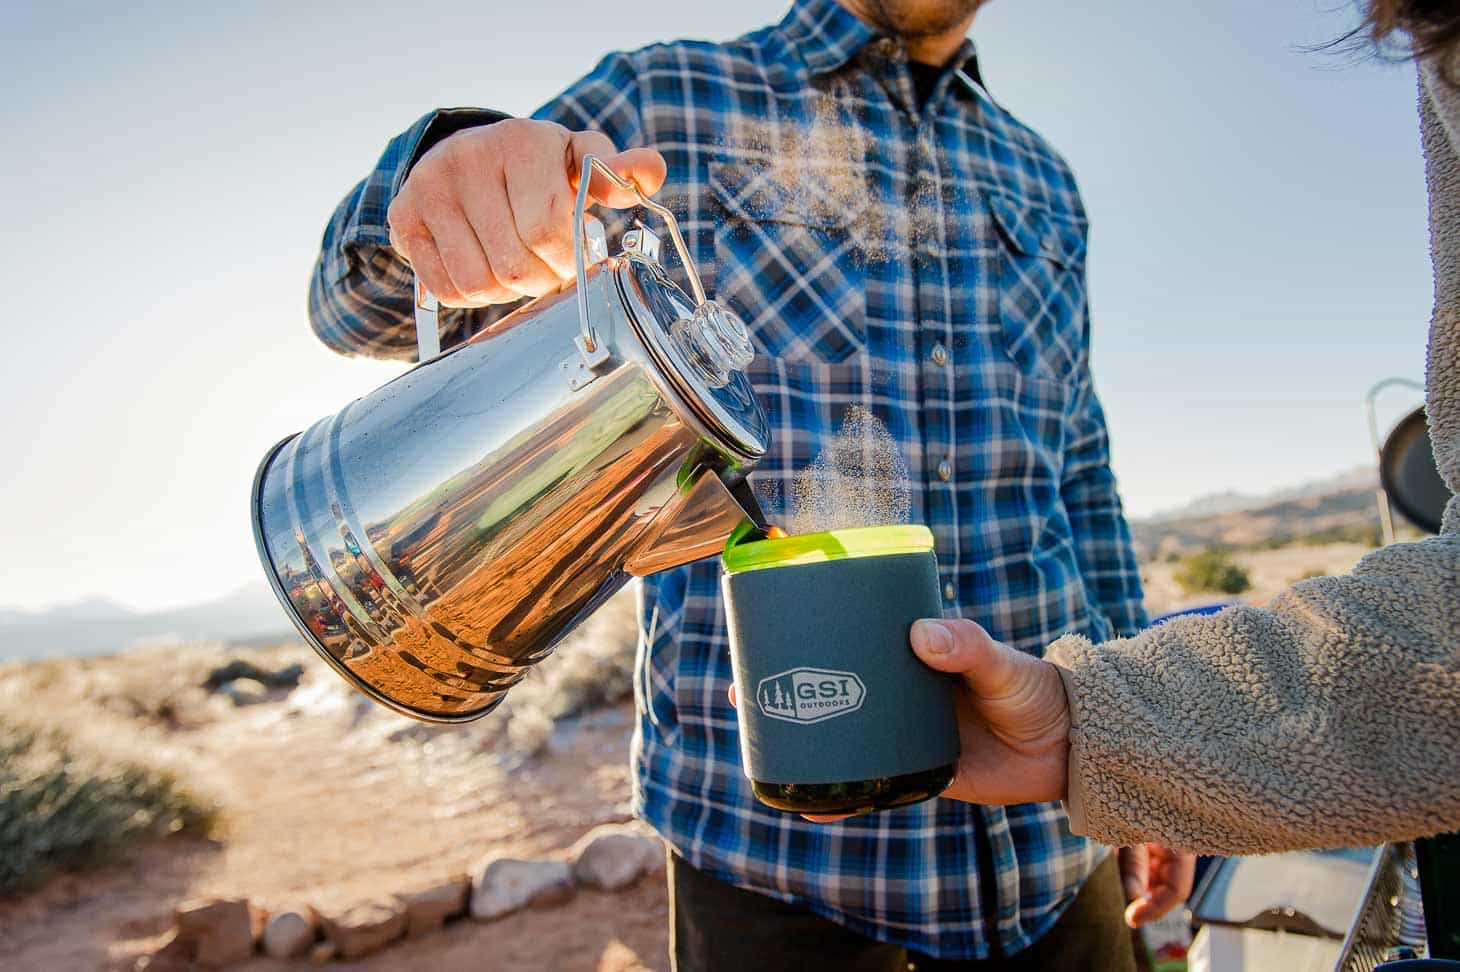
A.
x: 945, y: 648
x: 962, y: 647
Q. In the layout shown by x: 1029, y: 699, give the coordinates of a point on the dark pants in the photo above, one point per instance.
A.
x: 717, y: 927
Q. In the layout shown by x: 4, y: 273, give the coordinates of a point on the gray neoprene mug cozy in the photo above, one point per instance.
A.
x: 836, y: 713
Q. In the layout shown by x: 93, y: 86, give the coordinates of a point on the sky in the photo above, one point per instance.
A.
x: 1258, y: 253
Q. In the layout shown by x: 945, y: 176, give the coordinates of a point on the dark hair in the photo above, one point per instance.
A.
x: 1431, y: 29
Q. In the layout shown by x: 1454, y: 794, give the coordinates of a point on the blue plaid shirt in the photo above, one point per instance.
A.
x: 925, y: 262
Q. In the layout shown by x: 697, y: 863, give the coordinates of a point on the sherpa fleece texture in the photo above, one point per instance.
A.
x: 1330, y: 718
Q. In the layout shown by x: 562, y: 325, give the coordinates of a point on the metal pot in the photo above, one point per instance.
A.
x: 435, y: 538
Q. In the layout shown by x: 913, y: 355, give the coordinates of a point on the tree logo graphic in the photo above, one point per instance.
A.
x: 807, y: 695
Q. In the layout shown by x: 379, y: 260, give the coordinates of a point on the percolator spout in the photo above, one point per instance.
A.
x: 696, y: 523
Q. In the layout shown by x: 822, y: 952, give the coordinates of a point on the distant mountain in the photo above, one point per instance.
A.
x: 1214, y: 504
x: 1337, y: 508
x: 96, y: 626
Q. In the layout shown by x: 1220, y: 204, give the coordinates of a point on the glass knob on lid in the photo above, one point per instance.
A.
x: 715, y: 341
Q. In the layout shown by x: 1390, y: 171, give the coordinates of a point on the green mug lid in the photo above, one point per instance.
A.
x: 812, y: 548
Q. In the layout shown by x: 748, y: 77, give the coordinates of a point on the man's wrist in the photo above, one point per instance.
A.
x: 446, y: 123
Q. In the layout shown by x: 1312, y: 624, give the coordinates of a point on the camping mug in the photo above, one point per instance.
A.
x: 837, y: 715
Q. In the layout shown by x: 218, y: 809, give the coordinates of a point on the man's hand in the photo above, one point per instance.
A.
x: 486, y: 216
x: 1013, y: 718
x: 1156, y: 879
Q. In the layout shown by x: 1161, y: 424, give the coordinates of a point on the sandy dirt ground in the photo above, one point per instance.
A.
x: 1270, y: 571
x: 326, y: 814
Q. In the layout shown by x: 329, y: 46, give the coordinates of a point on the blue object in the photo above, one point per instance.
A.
x: 1199, y: 609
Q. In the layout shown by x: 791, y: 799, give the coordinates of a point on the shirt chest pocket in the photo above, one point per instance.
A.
x: 1041, y: 286
x: 787, y: 257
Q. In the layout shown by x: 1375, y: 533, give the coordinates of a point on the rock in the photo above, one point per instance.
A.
x: 286, y: 677
x: 245, y: 691
x: 322, y: 953
x: 614, y: 856
x: 364, y: 928
x: 218, y: 932
x: 429, y: 908
x: 290, y: 933
x: 554, y: 895
x: 504, y: 884
x: 173, y: 955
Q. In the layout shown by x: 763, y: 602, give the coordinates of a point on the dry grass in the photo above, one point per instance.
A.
x: 159, y: 685
x: 1270, y: 572
x: 72, y: 795
x: 593, y: 667
x: 86, y: 764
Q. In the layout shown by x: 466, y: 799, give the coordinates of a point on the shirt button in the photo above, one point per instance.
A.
x: 940, y: 354
x: 949, y: 591
x: 945, y: 470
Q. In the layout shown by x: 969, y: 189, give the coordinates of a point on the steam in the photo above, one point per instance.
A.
x: 858, y: 480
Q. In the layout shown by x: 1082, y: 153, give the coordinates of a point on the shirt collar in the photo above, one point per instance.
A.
x: 827, y: 35
x: 824, y: 33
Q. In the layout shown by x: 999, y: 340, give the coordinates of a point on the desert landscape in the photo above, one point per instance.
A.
x: 270, y: 780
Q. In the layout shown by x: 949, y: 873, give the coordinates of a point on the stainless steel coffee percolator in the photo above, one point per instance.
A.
x: 435, y: 538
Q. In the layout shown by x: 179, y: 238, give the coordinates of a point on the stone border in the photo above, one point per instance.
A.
x: 218, y: 933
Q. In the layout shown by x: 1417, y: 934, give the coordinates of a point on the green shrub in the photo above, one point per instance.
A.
x: 1213, y: 569
x: 70, y: 799
x: 1311, y: 573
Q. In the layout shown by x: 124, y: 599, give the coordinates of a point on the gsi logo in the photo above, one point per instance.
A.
x: 810, y: 694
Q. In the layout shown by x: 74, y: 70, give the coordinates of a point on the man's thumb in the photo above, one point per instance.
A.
x: 642, y: 166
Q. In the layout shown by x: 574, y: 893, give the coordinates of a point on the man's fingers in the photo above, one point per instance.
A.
x: 415, y: 245
x: 1138, y: 912
x: 461, y: 256
x: 1170, y: 880
x: 542, y: 207
x: 1149, y: 907
x: 734, y: 697
x: 1181, y: 873
x: 515, y: 267
x: 1135, y: 870
x: 643, y: 166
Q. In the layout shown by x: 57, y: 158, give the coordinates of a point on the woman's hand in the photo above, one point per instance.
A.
x: 1013, y: 718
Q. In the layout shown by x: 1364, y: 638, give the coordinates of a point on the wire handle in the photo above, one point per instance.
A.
x: 588, y: 343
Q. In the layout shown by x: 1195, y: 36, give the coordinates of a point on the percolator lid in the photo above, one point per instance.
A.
x: 728, y: 409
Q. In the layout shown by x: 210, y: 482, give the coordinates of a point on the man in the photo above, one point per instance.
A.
x: 897, y: 242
